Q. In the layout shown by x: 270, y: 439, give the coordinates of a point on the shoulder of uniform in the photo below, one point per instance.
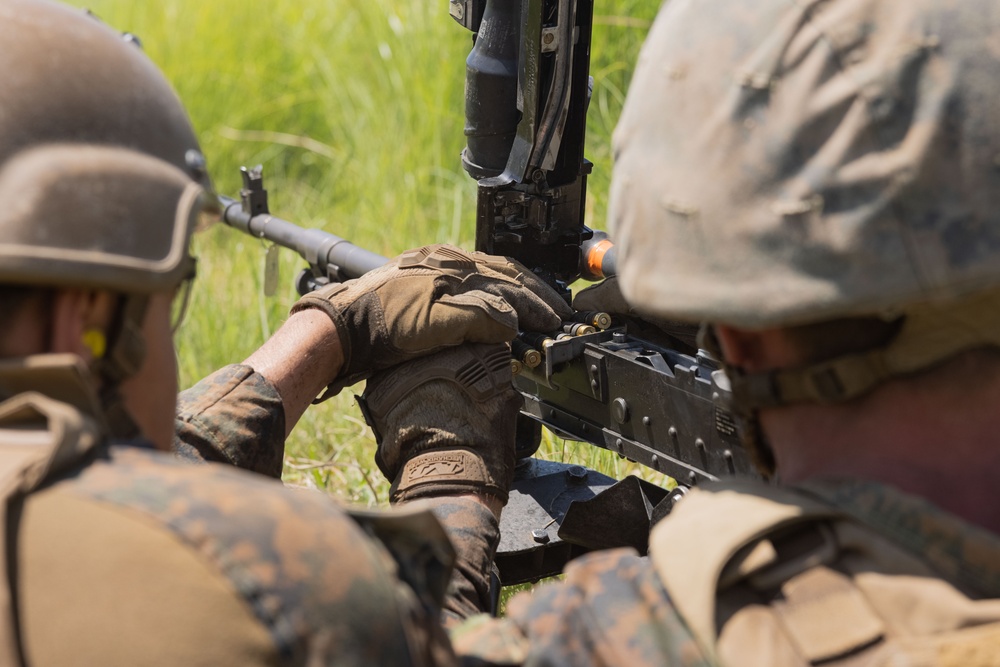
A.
x: 610, y: 608
x: 306, y: 569
x: 735, y: 512
x: 124, y: 574
x: 722, y: 527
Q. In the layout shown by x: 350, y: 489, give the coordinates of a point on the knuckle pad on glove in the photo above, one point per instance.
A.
x: 439, y: 258
x: 534, y: 313
x: 476, y: 317
x: 446, y: 423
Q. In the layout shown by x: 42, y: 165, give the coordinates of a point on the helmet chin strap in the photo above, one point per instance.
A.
x: 745, y: 414
x: 125, y: 354
x: 930, y: 334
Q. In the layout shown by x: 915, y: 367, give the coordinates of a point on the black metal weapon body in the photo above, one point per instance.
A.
x: 527, y: 91
x: 528, y: 87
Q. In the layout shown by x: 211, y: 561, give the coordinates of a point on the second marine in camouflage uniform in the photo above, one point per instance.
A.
x: 818, y: 181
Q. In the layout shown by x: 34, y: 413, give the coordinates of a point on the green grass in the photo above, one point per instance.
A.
x: 355, y: 109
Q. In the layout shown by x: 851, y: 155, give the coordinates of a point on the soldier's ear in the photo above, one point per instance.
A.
x: 79, y: 322
x: 755, y: 351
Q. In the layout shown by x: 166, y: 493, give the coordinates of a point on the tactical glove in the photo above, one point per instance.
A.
x: 429, y: 299
x: 445, y: 423
x: 606, y: 296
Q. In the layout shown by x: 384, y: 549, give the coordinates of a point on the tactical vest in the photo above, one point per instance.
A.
x: 775, y: 577
x: 44, y: 430
x: 50, y: 425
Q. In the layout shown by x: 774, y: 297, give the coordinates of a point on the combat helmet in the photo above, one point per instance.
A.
x: 783, y: 163
x: 102, y: 180
x: 101, y: 176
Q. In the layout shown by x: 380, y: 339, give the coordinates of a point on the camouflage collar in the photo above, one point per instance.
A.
x: 958, y: 550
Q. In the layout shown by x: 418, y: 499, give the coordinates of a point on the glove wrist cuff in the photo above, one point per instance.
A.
x: 445, y: 472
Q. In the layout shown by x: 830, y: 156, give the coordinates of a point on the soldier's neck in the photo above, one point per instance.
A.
x: 937, y: 436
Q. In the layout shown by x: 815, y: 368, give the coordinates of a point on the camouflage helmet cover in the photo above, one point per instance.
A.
x: 781, y: 162
x: 101, y: 178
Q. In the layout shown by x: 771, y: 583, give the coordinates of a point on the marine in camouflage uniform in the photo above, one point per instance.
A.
x: 137, y: 558
x: 817, y: 181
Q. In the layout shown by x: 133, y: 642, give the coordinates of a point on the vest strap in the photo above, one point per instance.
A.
x: 39, y: 437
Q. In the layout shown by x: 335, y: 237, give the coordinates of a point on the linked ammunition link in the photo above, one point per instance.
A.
x: 529, y: 346
x: 578, y: 329
x: 594, y: 318
x: 535, y: 340
x: 525, y: 354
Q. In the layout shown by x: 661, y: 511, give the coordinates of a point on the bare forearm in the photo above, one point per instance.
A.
x: 299, y: 360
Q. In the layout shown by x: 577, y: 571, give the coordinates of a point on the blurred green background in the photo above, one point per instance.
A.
x: 355, y: 109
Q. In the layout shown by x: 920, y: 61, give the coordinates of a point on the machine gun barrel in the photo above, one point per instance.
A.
x: 327, y: 254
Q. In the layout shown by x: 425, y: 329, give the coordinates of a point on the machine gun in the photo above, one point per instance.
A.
x: 527, y: 91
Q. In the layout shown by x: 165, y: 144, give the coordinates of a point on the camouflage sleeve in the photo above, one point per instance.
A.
x: 233, y: 416
x: 474, y: 533
x: 610, y: 609
x: 324, y: 591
